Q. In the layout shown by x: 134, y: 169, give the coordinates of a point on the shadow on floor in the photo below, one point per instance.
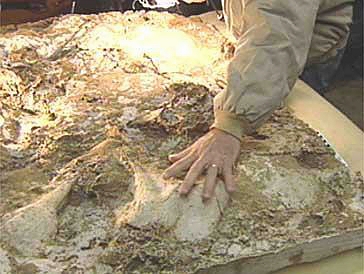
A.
x: 346, y: 94
x: 346, y: 90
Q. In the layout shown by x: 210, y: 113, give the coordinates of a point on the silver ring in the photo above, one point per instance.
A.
x: 218, y: 171
x: 213, y: 165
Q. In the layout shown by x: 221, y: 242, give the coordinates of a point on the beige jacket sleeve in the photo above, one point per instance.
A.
x: 274, y: 38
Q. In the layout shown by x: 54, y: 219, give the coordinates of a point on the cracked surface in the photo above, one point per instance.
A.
x: 90, y: 107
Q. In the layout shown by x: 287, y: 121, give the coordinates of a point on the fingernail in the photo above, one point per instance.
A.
x: 231, y: 190
x: 230, y: 193
x: 171, y: 157
x: 205, y: 198
x: 182, y: 192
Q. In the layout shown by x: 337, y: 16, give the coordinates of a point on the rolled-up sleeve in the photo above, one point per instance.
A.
x: 274, y: 37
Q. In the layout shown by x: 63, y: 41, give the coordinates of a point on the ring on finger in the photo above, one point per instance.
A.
x: 215, y: 166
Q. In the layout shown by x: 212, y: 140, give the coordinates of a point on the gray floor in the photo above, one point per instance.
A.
x: 346, y: 92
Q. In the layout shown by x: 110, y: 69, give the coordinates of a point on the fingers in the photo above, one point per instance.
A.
x: 179, y: 166
x: 175, y: 157
x: 230, y: 184
x: 196, y: 168
x: 191, y: 177
x: 210, y: 184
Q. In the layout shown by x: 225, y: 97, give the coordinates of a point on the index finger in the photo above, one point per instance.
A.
x: 191, y: 177
x: 179, y: 166
x: 178, y: 156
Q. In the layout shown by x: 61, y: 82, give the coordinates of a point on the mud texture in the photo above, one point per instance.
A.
x: 90, y: 107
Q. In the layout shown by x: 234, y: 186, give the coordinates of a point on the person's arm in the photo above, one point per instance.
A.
x: 274, y: 37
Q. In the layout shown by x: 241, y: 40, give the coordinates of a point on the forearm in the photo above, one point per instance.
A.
x: 271, y: 53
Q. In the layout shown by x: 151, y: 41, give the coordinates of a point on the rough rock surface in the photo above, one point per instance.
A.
x: 90, y: 107
x: 159, y: 203
x: 31, y: 225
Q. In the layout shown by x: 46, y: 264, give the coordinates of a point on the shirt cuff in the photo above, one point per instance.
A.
x: 232, y: 124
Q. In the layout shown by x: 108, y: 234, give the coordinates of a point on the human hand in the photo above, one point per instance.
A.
x: 215, y: 152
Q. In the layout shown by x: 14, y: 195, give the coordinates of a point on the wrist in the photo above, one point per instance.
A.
x: 231, y: 123
x: 220, y: 131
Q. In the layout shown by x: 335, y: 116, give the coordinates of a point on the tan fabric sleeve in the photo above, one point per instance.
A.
x: 274, y: 37
x: 331, y: 30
